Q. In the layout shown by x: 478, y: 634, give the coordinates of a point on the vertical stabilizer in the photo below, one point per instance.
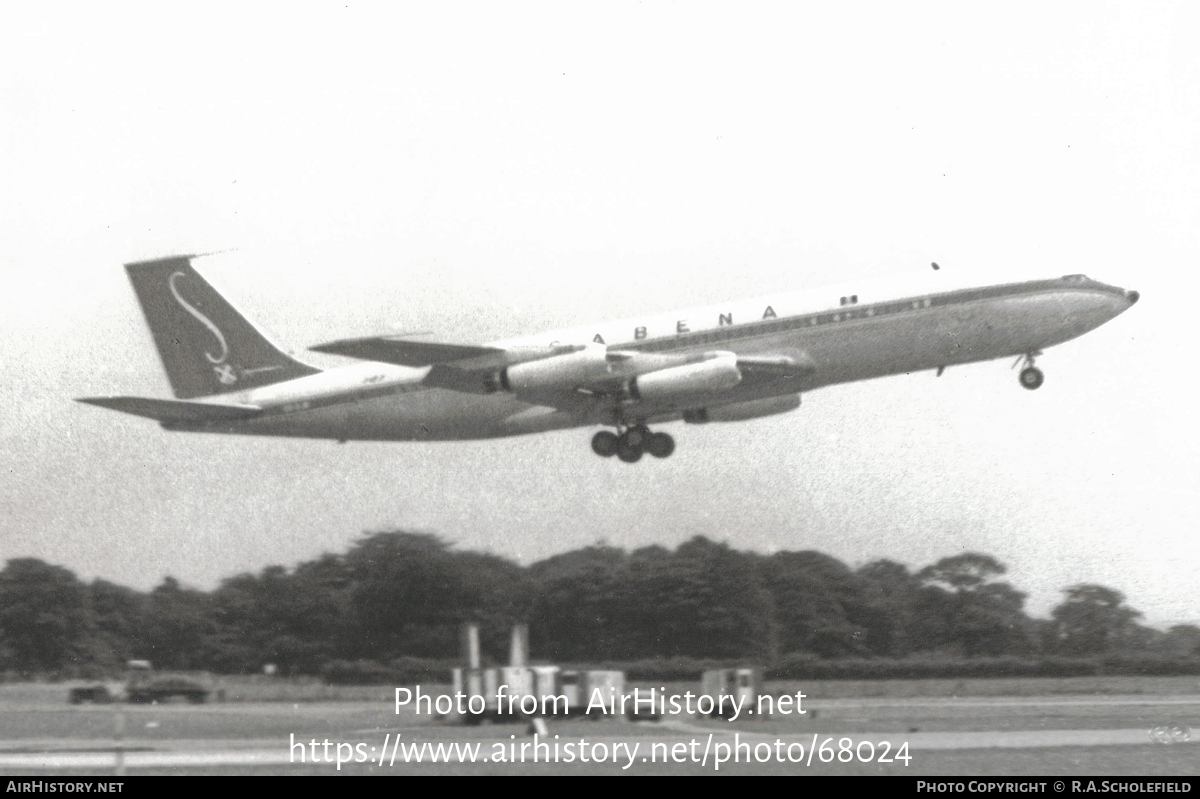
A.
x: 206, y: 346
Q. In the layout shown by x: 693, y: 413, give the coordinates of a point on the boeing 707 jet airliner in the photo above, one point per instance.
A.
x: 722, y: 363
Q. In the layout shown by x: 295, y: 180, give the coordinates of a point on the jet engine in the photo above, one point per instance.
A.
x: 574, y: 368
x: 718, y: 373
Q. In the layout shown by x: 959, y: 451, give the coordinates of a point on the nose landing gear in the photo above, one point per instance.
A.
x: 1030, y: 377
x: 631, y: 443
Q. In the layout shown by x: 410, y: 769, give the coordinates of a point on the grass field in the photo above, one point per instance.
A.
x: 258, y: 688
x: 1111, y: 760
x: 269, y: 727
x: 1089, y: 761
x: 1006, y: 686
x: 263, y: 715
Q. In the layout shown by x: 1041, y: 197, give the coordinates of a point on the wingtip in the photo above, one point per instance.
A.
x: 111, y: 403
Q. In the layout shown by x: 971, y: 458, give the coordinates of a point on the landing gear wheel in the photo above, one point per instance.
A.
x: 604, y: 444
x: 660, y: 445
x: 1031, y: 377
x: 629, y: 445
x: 637, y: 435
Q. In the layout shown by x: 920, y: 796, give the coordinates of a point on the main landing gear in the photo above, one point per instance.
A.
x: 1031, y: 377
x: 631, y: 443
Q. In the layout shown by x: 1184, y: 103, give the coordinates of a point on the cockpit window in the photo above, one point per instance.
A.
x: 1075, y: 278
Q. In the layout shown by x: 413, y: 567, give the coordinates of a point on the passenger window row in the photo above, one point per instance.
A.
x: 777, y: 325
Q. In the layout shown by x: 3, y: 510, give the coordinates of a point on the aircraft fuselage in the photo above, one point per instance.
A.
x: 845, y: 334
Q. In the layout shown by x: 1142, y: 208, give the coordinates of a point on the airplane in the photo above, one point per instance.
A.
x: 723, y: 363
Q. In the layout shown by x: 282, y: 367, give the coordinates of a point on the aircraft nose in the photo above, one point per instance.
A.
x: 1132, y: 296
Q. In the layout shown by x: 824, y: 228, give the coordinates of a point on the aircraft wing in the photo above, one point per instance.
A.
x: 174, y: 410
x: 405, y: 352
x: 470, y: 368
x: 591, y: 376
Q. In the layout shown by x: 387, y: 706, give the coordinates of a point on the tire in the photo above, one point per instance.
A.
x: 604, y: 444
x: 637, y: 436
x: 660, y: 445
x: 627, y: 451
x: 1032, y: 378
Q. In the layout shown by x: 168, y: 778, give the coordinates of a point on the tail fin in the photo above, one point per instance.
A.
x: 206, y: 346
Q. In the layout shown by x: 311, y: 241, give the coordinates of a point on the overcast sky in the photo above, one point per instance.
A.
x: 486, y: 170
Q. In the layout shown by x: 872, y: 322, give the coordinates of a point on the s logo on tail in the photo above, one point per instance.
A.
x: 223, y: 370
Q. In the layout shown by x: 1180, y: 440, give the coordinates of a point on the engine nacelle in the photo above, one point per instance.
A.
x: 589, y: 363
x: 741, y: 411
x: 718, y: 373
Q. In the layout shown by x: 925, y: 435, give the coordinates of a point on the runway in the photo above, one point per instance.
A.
x: 267, y: 753
x: 983, y: 735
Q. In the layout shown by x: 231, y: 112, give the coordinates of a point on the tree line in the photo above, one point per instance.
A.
x: 399, y: 595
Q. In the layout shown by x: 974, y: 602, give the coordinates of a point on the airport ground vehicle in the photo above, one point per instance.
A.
x: 91, y: 694
x: 143, y: 687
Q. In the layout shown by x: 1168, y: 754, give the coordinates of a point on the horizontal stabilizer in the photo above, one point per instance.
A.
x: 404, y: 352
x: 174, y: 410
